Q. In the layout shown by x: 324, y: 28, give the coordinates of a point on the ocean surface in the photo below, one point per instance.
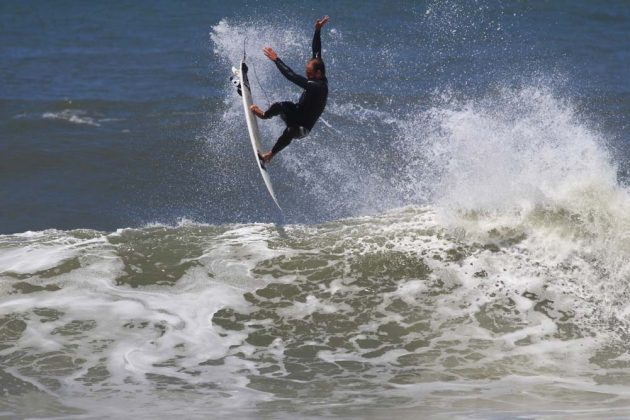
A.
x: 455, y: 241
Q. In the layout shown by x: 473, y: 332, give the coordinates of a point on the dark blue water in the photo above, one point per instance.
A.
x: 113, y: 114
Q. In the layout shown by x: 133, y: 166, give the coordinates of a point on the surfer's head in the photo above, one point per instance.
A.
x: 315, y: 69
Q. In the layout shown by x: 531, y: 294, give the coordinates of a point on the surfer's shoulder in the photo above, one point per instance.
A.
x: 317, y: 83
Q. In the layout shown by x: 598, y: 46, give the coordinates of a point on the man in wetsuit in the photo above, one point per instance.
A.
x: 301, y: 117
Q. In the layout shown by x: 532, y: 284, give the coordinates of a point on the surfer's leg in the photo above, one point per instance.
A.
x: 277, y: 108
x: 286, y: 110
x: 282, y: 142
x: 289, y: 133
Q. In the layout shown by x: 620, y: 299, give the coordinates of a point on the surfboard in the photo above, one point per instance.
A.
x: 252, y: 125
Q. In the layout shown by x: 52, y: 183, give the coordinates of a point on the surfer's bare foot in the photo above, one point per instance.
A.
x: 257, y: 111
x: 265, y: 157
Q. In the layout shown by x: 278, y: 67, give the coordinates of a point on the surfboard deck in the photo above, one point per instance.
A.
x: 252, y: 126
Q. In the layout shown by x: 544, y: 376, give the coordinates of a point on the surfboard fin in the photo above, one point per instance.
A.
x: 237, y: 84
x: 235, y: 79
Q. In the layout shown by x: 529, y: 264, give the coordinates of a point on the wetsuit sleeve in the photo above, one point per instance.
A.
x: 286, y: 71
x: 317, y: 44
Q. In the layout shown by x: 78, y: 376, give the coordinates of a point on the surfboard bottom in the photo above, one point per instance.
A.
x: 252, y: 128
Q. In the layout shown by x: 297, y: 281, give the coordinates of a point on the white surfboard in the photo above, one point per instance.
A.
x: 252, y: 126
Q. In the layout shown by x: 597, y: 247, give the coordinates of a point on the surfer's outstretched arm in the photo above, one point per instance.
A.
x: 317, y: 39
x: 286, y: 71
x: 317, y: 44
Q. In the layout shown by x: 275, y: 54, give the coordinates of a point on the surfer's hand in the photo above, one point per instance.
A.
x: 321, y: 22
x: 270, y: 53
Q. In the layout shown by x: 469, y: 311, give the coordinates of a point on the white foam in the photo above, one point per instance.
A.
x: 37, y: 251
x: 74, y: 116
x: 140, y: 334
x: 309, y: 307
x: 31, y: 260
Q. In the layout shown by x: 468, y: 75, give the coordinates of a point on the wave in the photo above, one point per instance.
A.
x: 74, y: 116
x: 390, y: 303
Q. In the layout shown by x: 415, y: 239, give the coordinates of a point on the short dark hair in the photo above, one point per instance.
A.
x: 318, y: 64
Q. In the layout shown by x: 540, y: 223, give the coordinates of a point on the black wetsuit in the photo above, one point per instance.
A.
x: 301, y: 117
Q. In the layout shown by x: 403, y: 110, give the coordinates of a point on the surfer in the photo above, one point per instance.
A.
x: 301, y: 117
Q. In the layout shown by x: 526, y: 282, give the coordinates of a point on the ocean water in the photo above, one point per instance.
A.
x: 455, y: 240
